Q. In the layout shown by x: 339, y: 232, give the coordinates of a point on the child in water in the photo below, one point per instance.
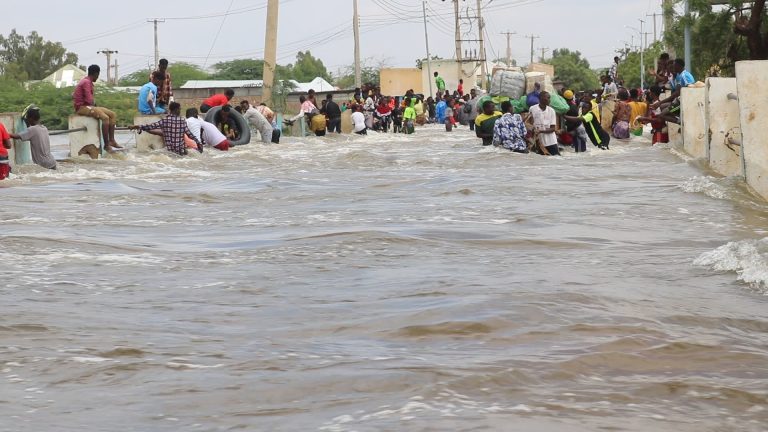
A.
x: 450, y: 120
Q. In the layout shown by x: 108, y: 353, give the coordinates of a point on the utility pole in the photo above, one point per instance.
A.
x: 509, y: 46
x: 669, y: 19
x: 544, y: 50
x: 642, y: 53
x: 687, y: 36
x: 532, y: 37
x: 107, y: 52
x: 117, y: 77
x: 270, y: 52
x: 157, y: 47
x: 426, y: 41
x: 457, y: 31
x: 481, y: 30
x: 654, y: 15
x: 356, y: 25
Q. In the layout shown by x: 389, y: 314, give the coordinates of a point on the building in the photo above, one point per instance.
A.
x: 66, y: 76
x: 395, y: 81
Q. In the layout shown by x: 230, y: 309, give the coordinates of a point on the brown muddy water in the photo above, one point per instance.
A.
x: 383, y: 283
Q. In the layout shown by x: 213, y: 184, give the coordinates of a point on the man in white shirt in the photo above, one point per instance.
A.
x: 213, y: 137
x: 544, y: 125
x: 358, y: 121
x: 259, y: 122
x: 194, y: 123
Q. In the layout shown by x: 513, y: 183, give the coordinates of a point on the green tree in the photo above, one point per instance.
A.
x: 629, y: 67
x: 370, y: 73
x: 240, y: 69
x: 573, y: 69
x: 307, y: 67
x: 720, y: 36
x: 181, y: 72
x: 32, y: 57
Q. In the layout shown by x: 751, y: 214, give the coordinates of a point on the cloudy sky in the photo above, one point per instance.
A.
x: 209, y: 31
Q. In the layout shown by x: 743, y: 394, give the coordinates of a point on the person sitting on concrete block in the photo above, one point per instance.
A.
x: 85, y: 105
x: 148, y: 95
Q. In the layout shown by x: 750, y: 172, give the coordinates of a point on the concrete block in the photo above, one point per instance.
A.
x: 723, y: 124
x: 753, y: 91
x: 147, y: 142
x: 21, y: 151
x: 346, y: 122
x: 693, y: 121
x: 78, y: 140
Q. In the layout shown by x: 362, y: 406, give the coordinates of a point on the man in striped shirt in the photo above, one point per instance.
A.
x: 172, y: 128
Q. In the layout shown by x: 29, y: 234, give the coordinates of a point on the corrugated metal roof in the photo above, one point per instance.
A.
x: 318, y: 84
x: 200, y: 84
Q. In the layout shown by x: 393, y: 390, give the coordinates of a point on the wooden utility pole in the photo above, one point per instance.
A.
x: 356, y: 28
x: 157, y: 46
x: 270, y: 52
x: 116, y: 78
x: 426, y: 40
x: 481, y: 39
x: 544, y: 51
x: 532, y: 37
x: 108, y: 53
x: 654, y: 15
x: 509, y: 46
x: 457, y: 31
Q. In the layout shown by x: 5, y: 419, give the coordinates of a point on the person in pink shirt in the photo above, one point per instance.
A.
x: 85, y: 106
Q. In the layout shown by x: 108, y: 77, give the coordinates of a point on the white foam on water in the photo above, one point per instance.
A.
x: 747, y: 258
x: 706, y: 185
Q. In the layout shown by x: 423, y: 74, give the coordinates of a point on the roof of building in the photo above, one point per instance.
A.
x: 318, y: 84
x: 66, y: 76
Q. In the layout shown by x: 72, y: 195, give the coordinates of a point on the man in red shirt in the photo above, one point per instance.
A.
x: 85, y: 106
x: 5, y: 145
x: 217, y: 100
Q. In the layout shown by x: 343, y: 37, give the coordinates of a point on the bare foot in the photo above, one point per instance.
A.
x: 109, y: 148
x: 114, y: 144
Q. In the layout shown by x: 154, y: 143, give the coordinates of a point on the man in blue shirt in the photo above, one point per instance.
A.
x: 148, y: 95
x: 440, y: 111
x: 671, y: 105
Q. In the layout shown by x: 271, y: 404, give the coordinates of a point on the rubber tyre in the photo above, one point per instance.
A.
x: 240, y: 121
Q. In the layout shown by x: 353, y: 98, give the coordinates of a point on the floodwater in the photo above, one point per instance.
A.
x: 383, y: 283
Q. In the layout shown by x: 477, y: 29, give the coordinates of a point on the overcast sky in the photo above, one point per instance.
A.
x: 391, y: 30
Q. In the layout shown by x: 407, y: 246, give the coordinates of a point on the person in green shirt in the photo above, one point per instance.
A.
x: 440, y: 82
x: 485, y: 122
x: 409, y: 115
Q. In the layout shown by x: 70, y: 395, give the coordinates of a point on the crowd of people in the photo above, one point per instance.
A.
x: 593, y: 115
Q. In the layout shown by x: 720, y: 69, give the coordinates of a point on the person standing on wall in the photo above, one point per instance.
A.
x: 165, y: 91
x: 440, y: 83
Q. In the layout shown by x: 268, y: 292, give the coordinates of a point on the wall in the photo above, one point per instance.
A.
x: 693, y: 114
x: 449, y: 71
x: 723, y: 122
x: 396, y: 81
x: 541, y: 67
x: 753, y: 92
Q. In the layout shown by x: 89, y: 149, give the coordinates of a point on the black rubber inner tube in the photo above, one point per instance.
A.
x: 240, y: 122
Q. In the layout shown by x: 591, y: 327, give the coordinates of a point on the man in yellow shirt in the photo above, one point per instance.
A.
x: 639, y: 109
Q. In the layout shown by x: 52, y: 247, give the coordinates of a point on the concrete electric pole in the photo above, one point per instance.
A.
x: 270, y: 52
x: 356, y: 27
x: 108, y: 53
x: 157, y: 46
x: 509, y: 46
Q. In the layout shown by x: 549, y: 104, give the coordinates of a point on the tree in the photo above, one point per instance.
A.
x: 721, y: 36
x: 240, y: 69
x: 181, y: 72
x: 369, y: 73
x: 308, y: 67
x: 573, y: 69
x: 629, y: 67
x: 34, y: 57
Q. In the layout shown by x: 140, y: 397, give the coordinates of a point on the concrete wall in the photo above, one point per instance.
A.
x: 147, y: 142
x: 449, y: 70
x: 20, y: 152
x: 723, y: 122
x: 78, y: 140
x: 396, y: 81
x: 693, y: 115
x: 753, y: 92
